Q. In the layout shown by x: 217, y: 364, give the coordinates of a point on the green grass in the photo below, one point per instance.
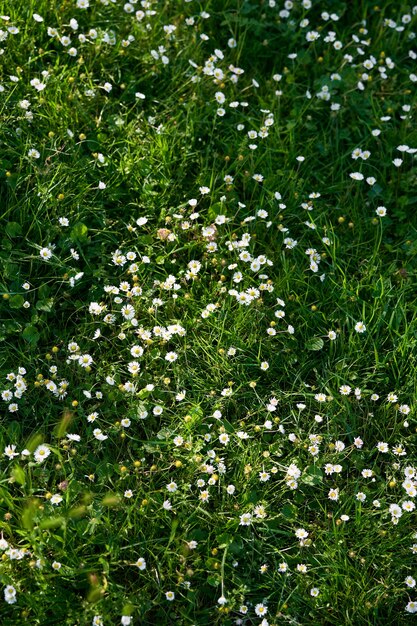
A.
x: 251, y: 394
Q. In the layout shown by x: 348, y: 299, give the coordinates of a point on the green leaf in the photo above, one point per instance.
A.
x: 223, y: 540
x: 215, y: 210
x: 16, y: 302
x: 13, y: 229
x: 19, y: 475
x: 43, y: 291
x: 52, y: 522
x: 312, y: 475
x: 29, y: 513
x: 31, y: 334
x: 236, y: 547
x: 143, y: 393
x: 45, y: 305
x: 79, y: 231
x: 164, y: 433
x: 146, y: 240
x: 289, y: 511
x: 14, y: 429
x: 315, y: 343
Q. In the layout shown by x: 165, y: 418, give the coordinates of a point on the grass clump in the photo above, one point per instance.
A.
x: 208, y: 327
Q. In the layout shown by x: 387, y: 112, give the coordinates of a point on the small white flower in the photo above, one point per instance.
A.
x: 98, y: 434
x: 245, y: 519
x: 41, y: 453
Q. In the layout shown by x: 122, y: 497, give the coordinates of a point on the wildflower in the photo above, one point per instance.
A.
x: 141, y: 563
x: 10, y: 452
x: 45, y: 254
x: 345, y: 390
x: 204, y: 496
x: 170, y: 595
x: 411, y: 607
x: 260, y: 512
x: 85, y: 360
x: 314, y: 592
x: 399, y: 450
x: 245, y: 519
x: 360, y: 327
x: 301, y: 533
x: 41, y: 453
x: 10, y: 594
x: 128, y: 311
x: 395, y: 510
x: 98, y: 434
x: 404, y: 409
x: 333, y: 494
x: 260, y: 609
x: 381, y: 211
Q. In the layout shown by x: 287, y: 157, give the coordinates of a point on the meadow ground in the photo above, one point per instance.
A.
x: 208, y: 323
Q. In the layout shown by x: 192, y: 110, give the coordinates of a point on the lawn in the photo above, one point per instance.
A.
x: 208, y: 329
